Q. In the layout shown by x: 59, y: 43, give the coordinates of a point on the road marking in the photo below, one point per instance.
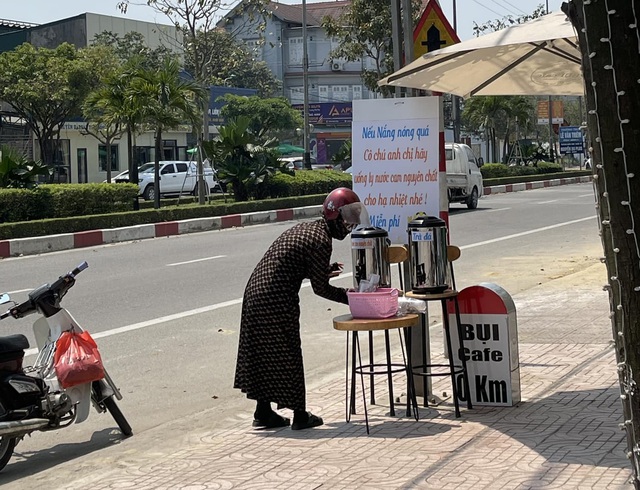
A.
x: 305, y: 284
x: 175, y: 316
x: 20, y: 291
x: 494, y: 210
x: 548, y: 202
x: 586, y: 195
x: 196, y: 260
x: 525, y: 233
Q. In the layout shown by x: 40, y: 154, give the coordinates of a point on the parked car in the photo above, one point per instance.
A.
x: 297, y: 163
x: 176, y: 177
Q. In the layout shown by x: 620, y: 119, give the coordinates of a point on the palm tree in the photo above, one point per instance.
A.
x: 243, y: 159
x: 497, y: 114
x: 168, y: 101
x: 102, y: 110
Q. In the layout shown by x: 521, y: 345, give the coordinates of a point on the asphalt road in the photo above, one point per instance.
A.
x: 166, y: 311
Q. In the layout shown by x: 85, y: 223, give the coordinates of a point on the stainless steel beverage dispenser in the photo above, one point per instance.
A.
x: 428, y: 255
x: 369, y: 248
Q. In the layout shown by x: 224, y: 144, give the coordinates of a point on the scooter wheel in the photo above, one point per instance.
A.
x: 114, y: 410
x: 6, y: 450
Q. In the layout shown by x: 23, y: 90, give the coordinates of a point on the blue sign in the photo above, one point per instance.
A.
x: 328, y: 112
x: 571, y: 140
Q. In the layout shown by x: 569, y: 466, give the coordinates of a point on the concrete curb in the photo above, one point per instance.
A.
x: 31, y: 246
x: 525, y: 186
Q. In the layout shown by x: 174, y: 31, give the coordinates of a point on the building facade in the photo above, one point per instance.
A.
x: 332, y: 83
x: 81, y: 157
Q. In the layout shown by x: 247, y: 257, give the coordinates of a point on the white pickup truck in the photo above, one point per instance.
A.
x: 176, y: 177
x: 464, y: 180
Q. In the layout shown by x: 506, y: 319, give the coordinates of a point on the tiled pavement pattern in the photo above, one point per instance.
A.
x: 563, y: 435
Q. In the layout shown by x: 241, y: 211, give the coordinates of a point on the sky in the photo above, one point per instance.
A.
x: 468, y: 11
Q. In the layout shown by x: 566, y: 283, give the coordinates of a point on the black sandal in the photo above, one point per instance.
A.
x: 273, y: 421
x: 312, y: 421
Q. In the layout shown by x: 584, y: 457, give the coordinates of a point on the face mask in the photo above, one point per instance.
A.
x: 338, y: 229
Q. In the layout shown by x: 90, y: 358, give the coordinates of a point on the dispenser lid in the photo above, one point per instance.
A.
x: 369, y: 231
x: 427, y: 222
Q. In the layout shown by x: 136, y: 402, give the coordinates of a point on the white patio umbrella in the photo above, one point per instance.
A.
x: 539, y: 57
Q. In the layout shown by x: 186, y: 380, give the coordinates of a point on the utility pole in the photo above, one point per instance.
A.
x: 455, y: 100
x: 305, y: 88
x: 396, y: 38
x: 550, y: 102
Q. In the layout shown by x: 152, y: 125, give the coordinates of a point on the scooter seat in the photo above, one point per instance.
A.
x: 13, y: 343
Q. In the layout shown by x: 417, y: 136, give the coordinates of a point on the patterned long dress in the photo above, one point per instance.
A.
x: 269, y: 364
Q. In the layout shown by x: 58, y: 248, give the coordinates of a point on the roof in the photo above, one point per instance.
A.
x: 316, y: 11
x: 16, y: 24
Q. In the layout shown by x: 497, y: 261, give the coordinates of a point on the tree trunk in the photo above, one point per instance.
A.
x: 108, y: 145
x: 132, y: 165
x: 611, y: 67
x: 156, y: 169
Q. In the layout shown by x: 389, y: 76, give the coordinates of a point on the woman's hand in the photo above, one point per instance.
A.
x: 336, y: 269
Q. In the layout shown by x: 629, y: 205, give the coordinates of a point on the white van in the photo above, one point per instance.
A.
x: 464, y: 180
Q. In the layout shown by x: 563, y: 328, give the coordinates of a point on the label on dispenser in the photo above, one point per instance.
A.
x: 421, y: 236
x: 362, y: 243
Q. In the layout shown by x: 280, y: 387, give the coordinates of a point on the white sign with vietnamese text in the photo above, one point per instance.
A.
x: 395, y: 160
x: 491, y: 353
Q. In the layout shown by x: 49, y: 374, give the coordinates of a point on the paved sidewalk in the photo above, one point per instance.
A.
x: 65, y: 241
x: 563, y: 435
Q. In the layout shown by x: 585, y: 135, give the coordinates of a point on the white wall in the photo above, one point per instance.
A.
x: 78, y: 140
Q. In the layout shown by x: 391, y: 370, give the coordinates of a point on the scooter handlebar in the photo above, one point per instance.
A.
x: 55, y: 291
x: 79, y: 269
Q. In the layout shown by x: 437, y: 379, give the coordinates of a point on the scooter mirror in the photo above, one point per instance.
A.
x: 4, y: 298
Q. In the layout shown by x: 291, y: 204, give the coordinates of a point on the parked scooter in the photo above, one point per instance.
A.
x: 31, y: 398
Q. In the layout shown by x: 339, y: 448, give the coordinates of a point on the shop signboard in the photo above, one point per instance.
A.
x: 328, y: 113
x: 488, y: 317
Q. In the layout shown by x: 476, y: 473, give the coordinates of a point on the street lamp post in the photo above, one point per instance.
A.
x: 305, y: 87
x: 550, y: 111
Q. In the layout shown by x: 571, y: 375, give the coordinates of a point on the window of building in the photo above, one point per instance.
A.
x: 255, y: 48
x: 102, y: 158
x: 83, y: 175
x: 169, y: 149
x: 340, y: 93
x: 296, y: 95
x: 61, y: 160
x: 356, y: 90
x: 295, y: 50
x: 323, y: 93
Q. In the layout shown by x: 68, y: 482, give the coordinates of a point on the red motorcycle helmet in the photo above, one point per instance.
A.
x: 335, y: 203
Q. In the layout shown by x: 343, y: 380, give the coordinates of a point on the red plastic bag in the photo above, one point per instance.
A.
x: 77, y: 359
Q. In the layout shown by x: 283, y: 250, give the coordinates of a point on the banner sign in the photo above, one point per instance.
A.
x: 543, y: 112
x: 395, y: 157
x: 571, y: 140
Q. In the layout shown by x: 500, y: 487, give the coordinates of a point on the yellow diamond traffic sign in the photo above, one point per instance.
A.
x: 432, y: 31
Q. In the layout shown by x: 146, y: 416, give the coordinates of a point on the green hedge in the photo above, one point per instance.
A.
x: 65, y: 200
x: 145, y: 216
x: 303, y: 183
x: 495, y: 170
x: 46, y: 210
